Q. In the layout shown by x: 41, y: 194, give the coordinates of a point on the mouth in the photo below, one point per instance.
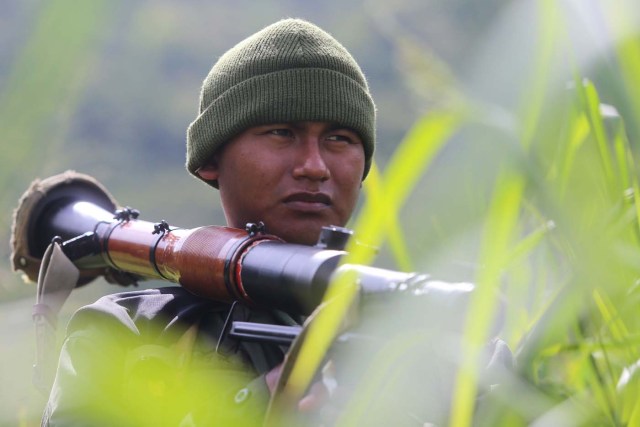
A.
x: 308, y: 202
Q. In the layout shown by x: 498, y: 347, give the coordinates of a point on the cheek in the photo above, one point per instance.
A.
x: 250, y: 184
x: 349, y: 171
x: 349, y: 183
x: 249, y: 170
x: 353, y: 195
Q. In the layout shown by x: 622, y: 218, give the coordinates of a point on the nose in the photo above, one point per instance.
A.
x: 310, y: 163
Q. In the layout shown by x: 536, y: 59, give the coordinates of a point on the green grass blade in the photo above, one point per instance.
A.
x: 549, y: 37
x: 375, y: 196
x: 527, y: 244
x: 597, y: 128
x: 620, y: 17
x: 410, y: 161
x: 577, y: 134
x: 495, y: 249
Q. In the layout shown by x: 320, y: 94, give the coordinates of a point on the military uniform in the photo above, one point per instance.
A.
x: 153, y: 357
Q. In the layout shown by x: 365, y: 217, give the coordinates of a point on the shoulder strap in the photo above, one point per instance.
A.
x: 56, y: 279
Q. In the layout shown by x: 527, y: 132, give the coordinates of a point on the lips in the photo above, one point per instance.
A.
x: 308, y: 201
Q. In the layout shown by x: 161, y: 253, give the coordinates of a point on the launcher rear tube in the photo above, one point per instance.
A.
x: 203, y: 260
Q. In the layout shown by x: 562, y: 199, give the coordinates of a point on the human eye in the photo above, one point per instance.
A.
x: 280, y: 131
x: 344, y: 136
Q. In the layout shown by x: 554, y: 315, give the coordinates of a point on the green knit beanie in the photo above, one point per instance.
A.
x: 290, y: 71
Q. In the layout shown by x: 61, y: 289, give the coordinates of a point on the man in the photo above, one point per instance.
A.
x: 286, y: 133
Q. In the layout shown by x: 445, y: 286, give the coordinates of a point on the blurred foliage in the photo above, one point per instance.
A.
x: 518, y: 124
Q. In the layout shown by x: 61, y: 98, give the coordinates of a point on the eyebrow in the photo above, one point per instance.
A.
x: 333, y: 126
x: 338, y: 126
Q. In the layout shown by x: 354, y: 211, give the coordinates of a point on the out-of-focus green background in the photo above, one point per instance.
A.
x: 108, y: 87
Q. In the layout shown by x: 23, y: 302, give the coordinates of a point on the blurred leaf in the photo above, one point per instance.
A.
x: 410, y: 161
x: 496, y: 245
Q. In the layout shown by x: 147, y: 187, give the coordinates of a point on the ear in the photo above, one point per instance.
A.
x: 209, y: 172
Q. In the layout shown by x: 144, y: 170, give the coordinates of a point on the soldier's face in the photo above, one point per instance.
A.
x: 295, y: 177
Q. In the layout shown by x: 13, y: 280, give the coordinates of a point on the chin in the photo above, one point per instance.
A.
x: 302, y: 231
x: 302, y: 238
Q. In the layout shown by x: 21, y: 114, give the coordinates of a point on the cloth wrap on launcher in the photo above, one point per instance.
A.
x: 46, y: 263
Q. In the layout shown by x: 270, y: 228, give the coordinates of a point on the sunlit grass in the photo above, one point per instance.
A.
x: 560, y: 243
x: 496, y: 247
